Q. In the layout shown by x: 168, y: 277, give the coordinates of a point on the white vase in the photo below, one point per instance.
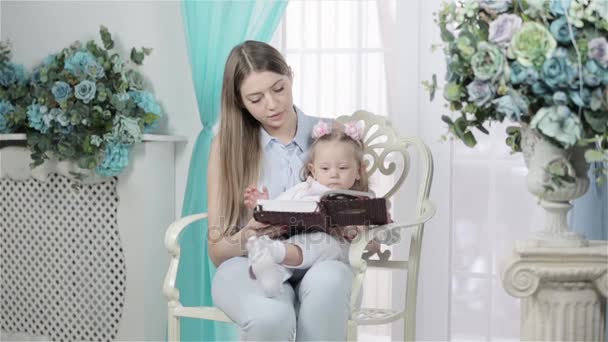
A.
x: 539, y: 154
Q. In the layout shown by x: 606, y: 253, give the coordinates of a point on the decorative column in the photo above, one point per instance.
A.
x: 85, y: 262
x: 563, y: 291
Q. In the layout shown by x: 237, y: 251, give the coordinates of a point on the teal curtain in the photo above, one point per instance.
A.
x: 590, y: 213
x: 212, y: 28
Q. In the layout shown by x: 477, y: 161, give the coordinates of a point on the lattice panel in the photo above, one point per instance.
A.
x: 63, y: 269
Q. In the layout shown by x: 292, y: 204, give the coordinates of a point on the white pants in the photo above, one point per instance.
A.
x: 314, y: 303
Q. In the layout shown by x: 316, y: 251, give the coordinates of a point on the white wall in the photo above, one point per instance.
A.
x: 38, y: 28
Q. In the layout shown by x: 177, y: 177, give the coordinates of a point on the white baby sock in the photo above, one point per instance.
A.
x: 277, y: 248
x: 265, y: 256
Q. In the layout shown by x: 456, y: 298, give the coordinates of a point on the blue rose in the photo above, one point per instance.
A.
x: 61, y: 117
x: 593, y: 73
x: 5, y: 109
x: 559, y: 7
x: 480, y: 92
x: 11, y: 74
x: 560, y: 123
x: 77, y: 63
x: 512, y: 105
x: 116, y: 158
x: 61, y: 91
x: 496, y: 6
x: 85, y: 91
x: 8, y: 76
x: 561, y: 32
x: 556, y: 72
x: 540, y: 89
x: 521, y: 74
x: 560, y: 98
x: 35, y: 115
x: 93, y: 69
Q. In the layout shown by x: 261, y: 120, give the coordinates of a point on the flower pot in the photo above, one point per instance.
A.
x: 539, y: 155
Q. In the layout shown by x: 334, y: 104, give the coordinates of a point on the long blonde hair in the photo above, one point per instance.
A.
x: 239, y: 135
x: 337, y: 135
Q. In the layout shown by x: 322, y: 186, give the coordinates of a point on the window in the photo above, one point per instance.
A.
x: 336, y: 54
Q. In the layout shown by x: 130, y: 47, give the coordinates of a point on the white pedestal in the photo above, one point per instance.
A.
x: 145, y: 208
x: 563, y: 291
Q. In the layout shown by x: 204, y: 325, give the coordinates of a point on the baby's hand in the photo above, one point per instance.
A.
x: 252, y: 195
x: 348, y: 232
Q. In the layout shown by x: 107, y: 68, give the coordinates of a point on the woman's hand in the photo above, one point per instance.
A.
x: 255, y: 228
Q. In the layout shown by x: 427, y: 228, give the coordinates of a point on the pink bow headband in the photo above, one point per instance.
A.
x: 353, y: 129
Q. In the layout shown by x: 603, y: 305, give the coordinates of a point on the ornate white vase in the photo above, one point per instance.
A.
x: 539, y: 154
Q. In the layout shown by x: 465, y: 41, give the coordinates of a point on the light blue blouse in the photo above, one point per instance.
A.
x: 282, y: 163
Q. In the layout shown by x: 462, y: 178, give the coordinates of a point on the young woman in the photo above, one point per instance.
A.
x: 264, y: 139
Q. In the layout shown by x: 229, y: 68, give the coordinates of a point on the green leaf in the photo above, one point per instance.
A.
x: 481, y: 128
x: 452, y: 92
x: 137, y: 57
x: 447, y: 119
x: 86, y: 146
x: 150, y: 118
x: 431, y: 87
x: 469, y: 139
x: 592, y: 155
x: 446, y: 35
x: 597, y: 120
x: 106, y: 37
x: 513, y: 130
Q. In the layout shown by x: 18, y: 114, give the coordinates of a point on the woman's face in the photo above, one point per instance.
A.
x: 268, y: 97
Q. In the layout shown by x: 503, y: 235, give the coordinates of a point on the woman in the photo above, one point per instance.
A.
x: 263, y: 139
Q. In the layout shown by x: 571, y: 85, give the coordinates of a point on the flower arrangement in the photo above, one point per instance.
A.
x: 536, y: 62
x: 87, y: 105
x: 14, y: 93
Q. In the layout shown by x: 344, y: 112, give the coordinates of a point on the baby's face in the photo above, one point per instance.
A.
x: 335, y: 165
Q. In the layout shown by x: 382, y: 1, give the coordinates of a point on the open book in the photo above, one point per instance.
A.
x: 304, y: 206
x: 335, y: 208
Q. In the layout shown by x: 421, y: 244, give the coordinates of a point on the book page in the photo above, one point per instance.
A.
x: 288, y: 206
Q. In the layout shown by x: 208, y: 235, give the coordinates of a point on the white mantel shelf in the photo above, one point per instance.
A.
x: 147, y: 137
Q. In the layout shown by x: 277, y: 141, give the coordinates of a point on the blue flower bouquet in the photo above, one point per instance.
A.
x: 14, y: 93
x: 539, y: 63
x: 89, y: 106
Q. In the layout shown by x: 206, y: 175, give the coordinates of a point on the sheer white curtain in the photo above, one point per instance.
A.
x: 336, y: 53
x: 483, y: 204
